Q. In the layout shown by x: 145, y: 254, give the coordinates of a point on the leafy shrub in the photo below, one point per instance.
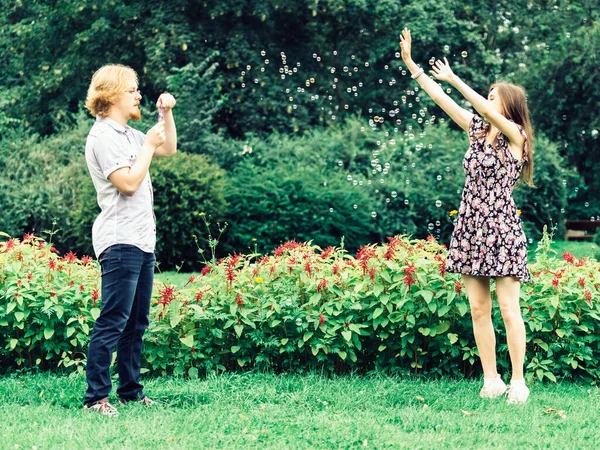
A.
x: 48, y: 305
x: 184, y: 186
x: 283, y: 188
x: 390, y: 308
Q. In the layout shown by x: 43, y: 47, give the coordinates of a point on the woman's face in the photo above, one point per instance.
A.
x: 494, y: 99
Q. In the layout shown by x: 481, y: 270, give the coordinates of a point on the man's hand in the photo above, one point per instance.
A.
x: 166, y: 101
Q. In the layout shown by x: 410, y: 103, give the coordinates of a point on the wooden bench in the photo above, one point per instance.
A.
x: 581, y: 230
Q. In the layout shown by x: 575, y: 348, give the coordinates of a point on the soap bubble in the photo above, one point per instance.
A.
x: 438, y: 203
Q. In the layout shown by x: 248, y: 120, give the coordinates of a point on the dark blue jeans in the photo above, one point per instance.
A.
x: 127, y: 277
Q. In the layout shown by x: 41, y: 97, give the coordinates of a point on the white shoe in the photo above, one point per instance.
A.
x: 492, y: 387
x: 517, y: 393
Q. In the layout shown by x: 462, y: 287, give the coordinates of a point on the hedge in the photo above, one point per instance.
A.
x: 390, y: 308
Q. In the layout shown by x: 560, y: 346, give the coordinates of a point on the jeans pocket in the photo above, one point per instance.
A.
x: 110, y: 259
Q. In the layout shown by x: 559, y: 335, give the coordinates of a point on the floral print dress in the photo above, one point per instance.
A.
x: 488, y: 239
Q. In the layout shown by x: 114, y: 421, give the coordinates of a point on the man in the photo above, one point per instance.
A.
x: 124, y: 233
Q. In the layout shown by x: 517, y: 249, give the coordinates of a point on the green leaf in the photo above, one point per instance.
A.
x: 442, y: 327
x: 550, y: 376
x: 560, y: 333
x: 452, y: 338
x: 95, y: 313
x: 342, y: 354
x: 235, y: 348
x: 238, y: 330
x: 354, y: 327
x: 188, y: 341
x: 10, y: 307
x: 275, y: 322
x: 314, y: 350
x: 175, y: 319
x: 48, y: 333
x: 70, y: 331
x: 19, y: 316
x: 462, y: 308
x: 13, y: 343
x: 377, y: 312
x: 307, y: 335
x: 193, y: 373
x: 241, y: 362
x: 284, y: 341
x: 427, y: 295
x: 424, y: 331
x: 381, y: 348
x: 314, y: 299
x: 347, y: 335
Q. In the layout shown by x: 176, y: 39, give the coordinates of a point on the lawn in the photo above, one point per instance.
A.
x: 294, y: 411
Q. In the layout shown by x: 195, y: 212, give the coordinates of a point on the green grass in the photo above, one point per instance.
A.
x: 292, y: 411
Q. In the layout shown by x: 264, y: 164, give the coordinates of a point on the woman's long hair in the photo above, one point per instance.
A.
x: 514, y: 103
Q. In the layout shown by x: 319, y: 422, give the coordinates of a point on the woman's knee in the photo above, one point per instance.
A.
x: 480, y: 309
x: 511, y: 315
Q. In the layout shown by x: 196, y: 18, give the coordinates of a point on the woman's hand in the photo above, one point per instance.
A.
x: 442, y: 71
x: 405, y: 44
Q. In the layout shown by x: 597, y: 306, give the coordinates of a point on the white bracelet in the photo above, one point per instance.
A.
x: 418, y: 74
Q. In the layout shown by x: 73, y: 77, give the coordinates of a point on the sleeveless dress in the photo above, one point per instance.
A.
x: 488, y: 239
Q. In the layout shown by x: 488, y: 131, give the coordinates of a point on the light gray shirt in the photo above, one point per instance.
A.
x: 122, y: 219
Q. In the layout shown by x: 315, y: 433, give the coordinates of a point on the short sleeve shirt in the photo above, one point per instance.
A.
x: 123, y: 219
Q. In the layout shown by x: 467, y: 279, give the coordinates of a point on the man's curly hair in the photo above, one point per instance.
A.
x: 107, y: 84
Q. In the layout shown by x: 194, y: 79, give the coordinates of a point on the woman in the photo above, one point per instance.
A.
x: 488, y: 240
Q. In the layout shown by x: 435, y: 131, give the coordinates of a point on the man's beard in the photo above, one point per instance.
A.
x: 137, y: 115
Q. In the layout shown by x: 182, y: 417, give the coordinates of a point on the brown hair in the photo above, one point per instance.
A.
x: 514, y: 105
x: 107, y: 84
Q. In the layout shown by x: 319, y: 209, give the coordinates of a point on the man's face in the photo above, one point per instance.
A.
x: 128, y: 103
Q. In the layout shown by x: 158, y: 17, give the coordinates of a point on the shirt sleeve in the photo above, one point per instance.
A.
x: 110, y: 153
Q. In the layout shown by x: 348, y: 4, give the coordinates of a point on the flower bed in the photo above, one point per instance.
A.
x: 390, y: 308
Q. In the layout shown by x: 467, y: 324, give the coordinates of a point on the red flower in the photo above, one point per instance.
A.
x: 28, y: 238
x: 308, y: 268
x: 10, y: 244
x: 69, y: 257
x: 81, y: 288
x: 346, y: 324
x: 568, y: 257
x: 588, y: 296
x: 408, y: 279
x: 322, y: 285
x: 85, y: 260
x: 52, y: 264
x: 29, y: 275
x: 19, y: 283
x: 52, y: 294
x: 326, y: 252
x: 198, y: 296
x: 53, y: 250
x: 167, y: 295
x: 458, y: 287
x: 372, y: 274
x: 581, y: 282
x: 287, y: 247
x: 335, y: 269
x: 271, y: 270
x: 321, y: 318
x: 580, y: 262
x: 206, y: 269
x: 430, y: 238
x: 363, y: 256
x: 555, y: 282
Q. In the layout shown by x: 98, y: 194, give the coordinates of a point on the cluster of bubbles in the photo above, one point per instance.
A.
x: 330, y: 90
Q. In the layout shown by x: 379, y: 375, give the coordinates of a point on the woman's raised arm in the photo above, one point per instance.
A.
x: 460, y: 115
x: 443, y: 72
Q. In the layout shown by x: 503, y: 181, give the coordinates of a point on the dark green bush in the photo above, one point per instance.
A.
x: 184, y: 186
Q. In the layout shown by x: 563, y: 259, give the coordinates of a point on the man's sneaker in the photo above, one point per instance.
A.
x: 492, y: 387
x: 146, y: 401
x: 102, y: 407
x: 517, y: 393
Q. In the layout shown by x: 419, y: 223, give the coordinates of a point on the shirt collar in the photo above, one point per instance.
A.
x: 114, y: 124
